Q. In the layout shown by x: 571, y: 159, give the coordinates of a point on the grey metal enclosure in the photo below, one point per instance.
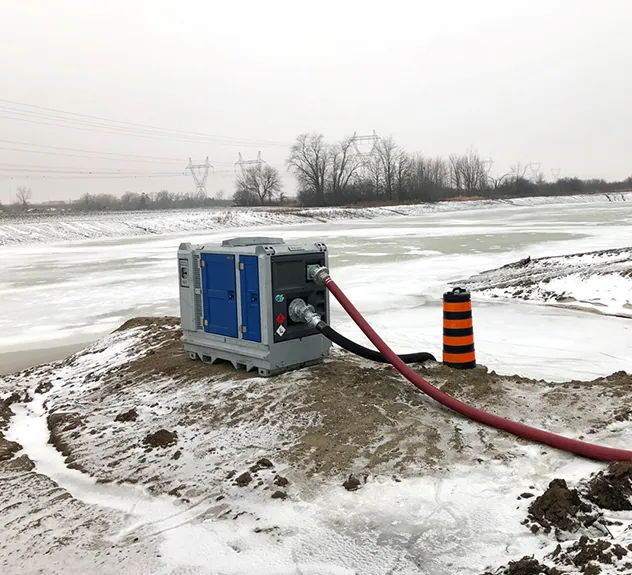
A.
x: 234, y: 300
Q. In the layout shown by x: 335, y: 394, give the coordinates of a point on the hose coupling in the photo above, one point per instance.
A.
x: 317, y: 273
x: 300, y: 312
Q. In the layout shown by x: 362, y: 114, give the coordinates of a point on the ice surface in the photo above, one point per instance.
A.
x: 54, y: 294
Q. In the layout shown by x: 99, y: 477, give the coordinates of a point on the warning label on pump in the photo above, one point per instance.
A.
x: 280, y: 318
x: 281, y: 331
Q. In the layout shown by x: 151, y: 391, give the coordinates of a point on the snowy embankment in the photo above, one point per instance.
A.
x: 51, y: 228
x: 599, y: 281
x: 203, y: 469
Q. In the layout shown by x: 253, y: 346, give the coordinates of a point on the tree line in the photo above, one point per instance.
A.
x: 335, y: 174
x: 129, y: 201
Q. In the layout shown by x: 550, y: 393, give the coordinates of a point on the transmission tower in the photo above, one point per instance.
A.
x: 534, y: 167
x: 555, y: 172
x: 367, y: 141
x: 242, y: 164
x: 200, y: 175
x: 487, y: 165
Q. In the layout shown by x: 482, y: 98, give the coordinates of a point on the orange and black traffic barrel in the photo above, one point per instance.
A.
x: 458, y: 330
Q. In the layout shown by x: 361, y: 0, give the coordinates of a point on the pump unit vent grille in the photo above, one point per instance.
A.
x: 197, y: 285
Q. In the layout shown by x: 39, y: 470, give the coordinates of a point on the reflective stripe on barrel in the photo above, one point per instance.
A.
x: 458, y: 330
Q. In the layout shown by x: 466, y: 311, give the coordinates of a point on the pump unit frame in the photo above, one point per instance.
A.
x: 235, y: 298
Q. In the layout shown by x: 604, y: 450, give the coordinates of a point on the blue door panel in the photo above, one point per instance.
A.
x: 219, y: 294
x: 250, y: 305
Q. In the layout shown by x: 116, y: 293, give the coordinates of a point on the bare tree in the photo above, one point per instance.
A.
x: 387, y: 153
x: 23, y: 195
x: 497, y: 183
x: 429, y: 178
x: 259, y: 181
x: 163, y: 200
x: 221, y: 194
x: 343, y: 167
x: 403, y: 170
x: 456, y: 172
x: 468, y: 173
x: 518, y: 171
x: 309, y: 160
x: 474, y: 173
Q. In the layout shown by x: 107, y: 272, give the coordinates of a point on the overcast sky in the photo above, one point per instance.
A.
x: 546, y: 81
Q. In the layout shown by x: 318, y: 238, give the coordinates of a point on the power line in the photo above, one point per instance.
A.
x: 87, y: 176
x: 83, y: 156
x: 138, y: 135
x: 120, y: 155
x: 128, y: 128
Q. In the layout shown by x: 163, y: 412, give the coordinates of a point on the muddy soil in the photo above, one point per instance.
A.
x: 612, y: 489
x: 560, y: 508
x: 7, y: 448
x: 162, y: 438
x: 525, y: 566
x: 562, y: 512
x: 589, y: 555
x: 344, y: 416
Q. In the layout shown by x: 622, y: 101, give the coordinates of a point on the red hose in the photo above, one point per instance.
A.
x: 571, y: 445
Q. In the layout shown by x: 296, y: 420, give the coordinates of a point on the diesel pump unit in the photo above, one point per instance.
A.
x: 235, y: 302
x: 260, y: 303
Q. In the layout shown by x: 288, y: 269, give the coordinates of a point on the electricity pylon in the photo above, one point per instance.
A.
x: 200, y: 175
x: 242, y: 164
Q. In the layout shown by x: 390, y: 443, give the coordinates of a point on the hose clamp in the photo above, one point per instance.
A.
x: 300, y: 312
x: 319, y: 275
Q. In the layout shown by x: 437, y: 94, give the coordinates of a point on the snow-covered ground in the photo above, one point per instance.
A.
x: 50, y: 228
x: 225, y: 473
x: 442, y: 495
x: 599, y: 281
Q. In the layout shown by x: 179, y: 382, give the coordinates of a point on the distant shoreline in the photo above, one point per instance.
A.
x: 68, y: 227
x: 39, y: 210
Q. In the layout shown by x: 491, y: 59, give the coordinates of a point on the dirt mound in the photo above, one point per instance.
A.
x: 281, y: 481
x: 65, y: 421
x: 525, y: 566
x: 587, y: 554
x: 352, y: 483
x: 164, y: 356
x: 263, y: 463
x: 127, y: 416
x: 5, y: 413
x: 244, y: 479
x: 161, y: 438
x: 8, y: 449
x: 612, y: 489
x: 145, y: 321
x: 560, y: 508
x: 60, y: 425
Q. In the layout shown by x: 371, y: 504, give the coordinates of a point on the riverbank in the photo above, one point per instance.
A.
x: 338, y: 469
x: 598, y: 281
x: 33, y: 229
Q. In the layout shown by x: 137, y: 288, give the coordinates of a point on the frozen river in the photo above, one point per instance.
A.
x: 55, y: 297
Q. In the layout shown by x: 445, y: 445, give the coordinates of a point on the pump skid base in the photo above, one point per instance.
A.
x: 302, y: 353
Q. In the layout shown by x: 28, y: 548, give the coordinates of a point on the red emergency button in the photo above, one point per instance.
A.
x: 280, y: 318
